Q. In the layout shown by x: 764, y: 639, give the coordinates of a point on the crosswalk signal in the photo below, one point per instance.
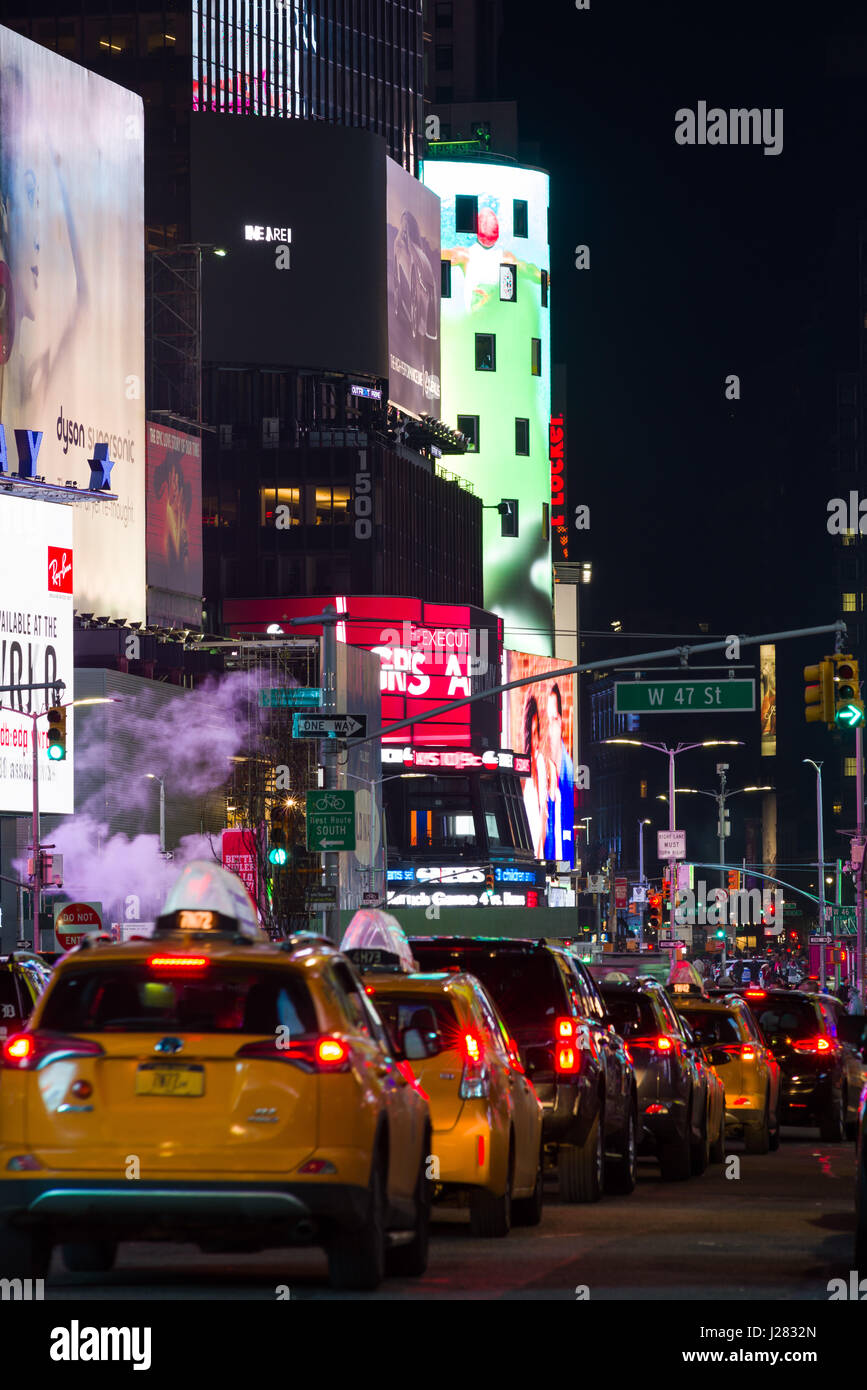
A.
x: 819, y: 693
x: 57, y: 734
x: 848, y: 705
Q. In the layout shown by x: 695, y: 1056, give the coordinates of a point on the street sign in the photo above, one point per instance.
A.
x: 671, y: 844
x: 844, y: 922
x: 639, y: 893
x: 370, y: 899
x: 281, y: 697
x: 329, y: 726
x: 821, y: 940
x: 73, y: 921
x: 330, y: 820
x: 322, y: 893
x: 668, y: 943
x: 683, y: 697
x: 597, y: 883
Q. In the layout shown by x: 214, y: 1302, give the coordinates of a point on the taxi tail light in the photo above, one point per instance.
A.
x: 179, y: 965
x: 28, y: 1051
x: 312, y: 1055
x: 476, y: 1079
x: 748, y: 1052
x: 755, y: 994
x: 813, y: 1045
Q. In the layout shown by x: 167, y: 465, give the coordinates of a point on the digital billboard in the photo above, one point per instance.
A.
x: 72, y: 300
x: 301, y: 279
x: 496, y: 372
x: 539, y: 721
x: 174, y: 527
x: 430, y: 653
x: 413, y: 250
x: 37, y: 572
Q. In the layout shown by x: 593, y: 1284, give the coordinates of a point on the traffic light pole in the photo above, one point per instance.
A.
x: 37, y: 857
x: 861, y: 964
x: 330, y: 858
x: 820, y: 864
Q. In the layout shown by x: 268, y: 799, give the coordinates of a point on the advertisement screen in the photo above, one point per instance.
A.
x: 413, y: 245
x: 301, y: 281
x: 174, y: 527
x: 36, y: 620
x: 430, y: 653
x: 538, y: 720
x: 72, y: 301
x: 768, y: 667
x: 496, y: 372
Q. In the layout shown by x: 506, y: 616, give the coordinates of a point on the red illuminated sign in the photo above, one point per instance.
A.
x: 59, y: 570
x: 430, y: 654
x: 557, y: 458
x: 458, y: 759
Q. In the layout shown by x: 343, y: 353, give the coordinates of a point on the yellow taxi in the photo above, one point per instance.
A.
x: 733, y: 1046
x: 487, y: 1118
x: 208, y: 1085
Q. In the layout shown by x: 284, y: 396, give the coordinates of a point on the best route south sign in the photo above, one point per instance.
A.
x: 330, y: 820
x: 683, y: 697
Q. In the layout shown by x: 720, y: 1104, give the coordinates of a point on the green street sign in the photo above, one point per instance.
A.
x: 843, y: 919
x: 683, y: 697
x: 330, y: 820
x: 295, y: 697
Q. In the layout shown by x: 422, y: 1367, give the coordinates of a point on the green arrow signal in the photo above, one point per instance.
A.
x: 851, y: 715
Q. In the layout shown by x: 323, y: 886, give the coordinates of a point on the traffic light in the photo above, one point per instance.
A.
x: 819, y: 693
x: 57, y: 734
x: 489, y: 879
x: 720, y: 933
x: 654, y: 915
x: 278, y: 854
x: 848, y: 705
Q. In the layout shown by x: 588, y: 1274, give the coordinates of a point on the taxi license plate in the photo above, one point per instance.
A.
x: 153, y: 1080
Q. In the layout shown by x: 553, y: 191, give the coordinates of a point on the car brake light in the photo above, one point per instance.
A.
x: 476, y: 1078
x: 564, y: 1029
x: 749, y: 1054
x: 30, y: 1051
x: 819, y: 1044
x: 755, y: 994
x: 182, y: 963
x: 568, y: 1059
x: 323, y: 1055
x: 663, y: 1044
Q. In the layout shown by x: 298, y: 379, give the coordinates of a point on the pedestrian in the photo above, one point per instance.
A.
x: 856, y: 1003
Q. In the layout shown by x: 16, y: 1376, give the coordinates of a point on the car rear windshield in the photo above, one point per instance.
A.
x: 526, y: 986
x: 399, y: 1011
x: 793, y: 1018
x: 136, y: 998
x: 9, y: 1006
x: 632, y: 1012
x: 715, y: 1026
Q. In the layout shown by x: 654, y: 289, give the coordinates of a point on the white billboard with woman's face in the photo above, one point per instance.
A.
x: 539, y: 720
x: 72, y: 301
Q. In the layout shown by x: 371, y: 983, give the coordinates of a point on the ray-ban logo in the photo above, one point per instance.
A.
x: 59, y: 570
x: 740, y: 126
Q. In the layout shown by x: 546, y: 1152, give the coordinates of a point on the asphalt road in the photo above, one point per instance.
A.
x: 780, y: 1230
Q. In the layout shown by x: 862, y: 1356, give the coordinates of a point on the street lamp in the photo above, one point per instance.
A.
x: 671, y: 754
x: 641, y: 824
x: 821, y: 866
x: 154, y: 778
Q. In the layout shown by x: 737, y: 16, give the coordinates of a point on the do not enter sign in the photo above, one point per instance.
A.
x: 74, y: 921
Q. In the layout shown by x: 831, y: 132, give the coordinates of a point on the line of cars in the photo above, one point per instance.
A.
x: 294, y: 1093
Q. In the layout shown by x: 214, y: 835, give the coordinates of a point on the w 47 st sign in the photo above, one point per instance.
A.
x: 683, y: 697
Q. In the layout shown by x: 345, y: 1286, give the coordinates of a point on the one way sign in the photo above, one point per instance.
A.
x: 329, y: 725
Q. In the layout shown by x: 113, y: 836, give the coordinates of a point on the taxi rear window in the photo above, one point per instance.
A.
x: 398, y: 1010
x: 715, y: 1026
x: 137, y: 998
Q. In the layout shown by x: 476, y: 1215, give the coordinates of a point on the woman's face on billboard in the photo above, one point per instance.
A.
x: 24, y: 230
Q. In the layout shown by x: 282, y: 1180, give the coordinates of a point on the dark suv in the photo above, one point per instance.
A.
x: 577, y: 1063
x: 670, y: 1072
x: 23, y: 977
x: 801, y: 1031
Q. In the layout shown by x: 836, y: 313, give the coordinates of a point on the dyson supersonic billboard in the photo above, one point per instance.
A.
x: 430, y: 653
x: 496, y: 371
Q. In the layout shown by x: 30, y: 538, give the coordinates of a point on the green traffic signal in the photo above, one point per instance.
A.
x: 851, y: 715
x: 721, y: 934
x: 278, y: 856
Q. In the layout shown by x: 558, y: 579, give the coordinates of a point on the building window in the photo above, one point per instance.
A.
x: 546, y: 521
x: 508, y: 283
x: 331, y: 505
x: 535, y: 356
x: 469, y: 425
x: 271, y: 498
x: 544, y: 289
x: 520, y: 218
x: 443, y: 96
x: 445, y: 279
x: 850, y: 767
x: 443, y: 14
x: 522, y: 436
x: 838, y: 808
x: 849, y: 537
x: 466, y: 213
x: 486, y: 352
x: 443, y: 57
x: 849, y: 603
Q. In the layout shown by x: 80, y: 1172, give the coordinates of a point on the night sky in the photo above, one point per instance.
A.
x: 704, y: 262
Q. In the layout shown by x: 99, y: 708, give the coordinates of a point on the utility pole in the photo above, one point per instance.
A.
x: 330, y: 858
x: 672, y: 863
x: 722, y: 769
x: 820, y: 862
x: 860, y: 964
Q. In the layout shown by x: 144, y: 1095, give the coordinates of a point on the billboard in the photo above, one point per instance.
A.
x: 174, y: 527
x: 496, y: 372
x: 36, y: 621
x: 538, y: 721
x: 302, y: 278
x: 768, y: 669
x: 559, y: 515
x: 72, y: 300
x: 430, y: 653
x: 413, y: 251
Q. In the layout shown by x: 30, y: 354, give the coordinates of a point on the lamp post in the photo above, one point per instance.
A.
x: 720, y: 798
x: 154, y: 778
x: 821, y: 865
x: 671, y: 754
x: 641, y: 879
